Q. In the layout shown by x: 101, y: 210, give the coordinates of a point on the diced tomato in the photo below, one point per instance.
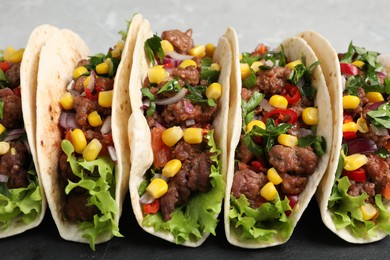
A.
x: 261, y: 49
x: 108, y: 139
x: 291, y: 93
x: 293, y: 201
x: 349, y: 135
x: 161, y: 152
x: 152, y: 208
x: 348, y: 69
x: 89, y: 94
x: 281, y: 115
x: 4, y: 65
x: 258, y: 165
x: 358, y: 175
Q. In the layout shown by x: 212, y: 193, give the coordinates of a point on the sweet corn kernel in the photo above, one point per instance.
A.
x: 105, y: 98
x: 198, y: 51
x: 215, y: 66
x: 66, y: 101
x: 374, y: 97
x: 269, y: 191
x: 17, y: 56
x: 166, y: 46
x: 171, y: 168
x: 292, y: 64
x: 310, y: 115
x: 273, y: 176
x: 210, y: 48
x: 214, y: 91
x: 255, y: 66
x: 4, y: 147
x: 251, y: 124
x: 157, y: 187
x: 362, y: 125
x: 157, y: 74
x: 358, y: 63
x: 117, y: 51
x: 172, y: 135
x: 8, y: 52
x: 350, y: 102
x: 187, y: 63
x: 79, y: 71
x: 278, y: 101
x: 79, y: 141
x: 193, y: 135
x: 94, y: 119
x: 368, y: 211
x: 350, y: 127
x: 288, y: 140
x: 92, y: 150
x: 354, y: 161
x: 245, y: 70
x: 103, y: 68
x: 2, y: 128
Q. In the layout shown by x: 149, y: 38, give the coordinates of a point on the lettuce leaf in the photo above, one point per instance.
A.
x: 98, y: 178
x: 198, y: 216
x: 20, y: 204
x: 264, y: 224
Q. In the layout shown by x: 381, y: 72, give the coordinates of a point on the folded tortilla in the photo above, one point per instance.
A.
x: 294, y: 48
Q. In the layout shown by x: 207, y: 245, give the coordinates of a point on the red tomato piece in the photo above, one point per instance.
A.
x: 152, y: 208
x: 348, y: 69
x: 358, y: 175
x: 4, y: 65
x: 349, y: 135
x: 161, y: 152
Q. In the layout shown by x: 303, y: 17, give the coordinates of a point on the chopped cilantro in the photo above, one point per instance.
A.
x: 153, y: 48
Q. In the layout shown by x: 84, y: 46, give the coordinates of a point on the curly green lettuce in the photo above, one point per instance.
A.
x: 98, y: 178
x: 198, y: 216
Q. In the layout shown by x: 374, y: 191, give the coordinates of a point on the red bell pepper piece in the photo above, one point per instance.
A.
x: 358, y: 175
x: 281, y: 115
x: 349, y: 135
x: 152, y: 208
x: 348, y: 69
x: 89, y: 95
x: 291, y: 93
x: 4, y: 65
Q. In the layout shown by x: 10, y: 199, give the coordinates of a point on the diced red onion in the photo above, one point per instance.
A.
x: 179, y: 57
x: 4, y: 178
x: 173, y: 99
x: 146, y: 198
x: 265, y: 105
x: 379, y: 131
x: 188, y: 107
x: 71, y: 85
x: 269, y: 63
x: 361, y: 145
x: 68, y: 120
x: 112, y: 153
x: 190, y: 122
x: 91, y: 83
x: 14, y: 134
x: 381, y: 74
x: 106, y: 127
x: 376, y: 105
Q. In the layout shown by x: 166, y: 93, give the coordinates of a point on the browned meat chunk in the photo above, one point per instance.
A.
x: 13, y: 164
x: 13, y: 75
x: 272, y: 81
x: 292, y: 184
x: 378, y: 170
x: 76, y: 208
x: 181, y: 41
x: 12, y: 109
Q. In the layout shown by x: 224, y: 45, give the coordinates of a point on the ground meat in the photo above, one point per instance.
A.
x: 298, y: 160
x: 357, y: 189
x: 243, y: 154
x: 79, y: 84
x: 13, y: 165
x: 189, y: 75
x: 246, y: 94
x: 292, y: 184
x: 12, y: 109
x: 181, y: 41
x: 272, y: 81
x: 198, y: 178
x: 13, y: 75
x: 76, y: 209
x: 83, y: 107
x: 378, y: 170
x: 184, y: 151
x: 104, y: 84
x: 249, y: 183
x: 65, y: 169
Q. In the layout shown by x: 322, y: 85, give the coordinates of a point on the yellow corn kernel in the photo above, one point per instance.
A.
x: 66, y: 101
x: 8, y: 52
x: 292, y: 64
x: 362, y: 125
x: 198, y: 51
x: 210, y: 48
x: 79, y: 141
x: 278, y: 101
x: 368, y: 211
x: 269, y: 191
x: 245, y: 70
x: 193, y: 135
x: 157, y: 187
x: 350, y: 127
x: 103, y: 68
x: 171, y: 168
x: 251, y: 124
x: 17, y: 56
x: 354, y: 161
x: 358, y: 63
x: 255, y: 66
x: 215, y: 66
x: 92, y: 150
x: 2, y: 129
x: 187, y: 63
x: 350, y: 102
x: 166, y: 46
x: 79, y: 71
x: 214, y: 91
x: 374, y: 97
x: 157, y: 74
x: 4, y: 148
x: 172, y: 135
x: 105, y: 98
x: 310, y: 115
x: 117, y: 51
x: 94, y: 119
x: 288, y: 140
x: 273, y: 176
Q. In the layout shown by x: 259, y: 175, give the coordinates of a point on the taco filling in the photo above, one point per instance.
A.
x: 20, y: 194
x: 180, y: 97
x: 361, y: 191
x: 278, y: 149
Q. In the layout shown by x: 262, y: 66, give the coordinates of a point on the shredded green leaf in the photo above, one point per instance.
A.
x: 153, y: 48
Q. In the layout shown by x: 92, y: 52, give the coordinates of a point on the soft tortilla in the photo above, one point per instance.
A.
x: 28, y: 84
x: 295, y: 48
x: 331, y: 67
x: 139, y: 132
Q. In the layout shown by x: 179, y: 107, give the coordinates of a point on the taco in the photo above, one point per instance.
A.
x: 280, y: 142
x: 354, y: 195
x: 22, y: 200
x: 82, y: 139
x: 177, y: 134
